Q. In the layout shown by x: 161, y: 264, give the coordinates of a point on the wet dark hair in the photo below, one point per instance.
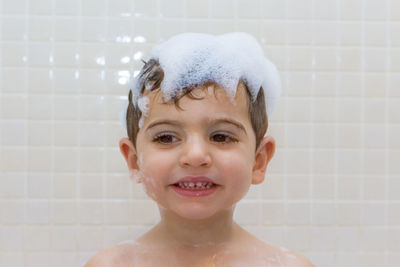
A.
x: 151, y: 76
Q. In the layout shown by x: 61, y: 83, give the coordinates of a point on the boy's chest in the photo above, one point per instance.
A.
x: 217, y: 259
x: 206, y: 263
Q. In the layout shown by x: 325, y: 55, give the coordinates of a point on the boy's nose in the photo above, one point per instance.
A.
x: 195, y: 153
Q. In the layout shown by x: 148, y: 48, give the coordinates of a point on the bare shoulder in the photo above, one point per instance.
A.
x: 120, y: 255
x: 279, y: 256
x: 294, y: 259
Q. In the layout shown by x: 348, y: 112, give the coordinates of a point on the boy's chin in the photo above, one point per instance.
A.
x: 196, y: 216
x: 197, y: 213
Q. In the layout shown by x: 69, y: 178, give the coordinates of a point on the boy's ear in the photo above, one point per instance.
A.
x: 129, y: 152
x: 264, y: 154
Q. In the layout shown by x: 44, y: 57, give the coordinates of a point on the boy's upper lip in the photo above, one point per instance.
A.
x: 195, y: 179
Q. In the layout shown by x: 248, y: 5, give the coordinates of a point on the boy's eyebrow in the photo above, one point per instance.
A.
x: 212, y: 121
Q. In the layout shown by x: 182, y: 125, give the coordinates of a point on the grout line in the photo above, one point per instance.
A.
x: 158, y: 19
x: 311, y: 125
x: 336, y: 176
x: 185, y: 16
x: 387, y: 112
x: 87, y: 147
x: 294, y: 20
x: 78, y: 169
x: 285, y: 116
x: 1, y: 97
x: 323, y: 71
x: 362, y: 136
x: 102, y: 98
x: 52, y: 120
x: 208, y: 18
x: 245, y: 200
x: 91, y: 42
x: 235, y: 14
x: 24, y: 67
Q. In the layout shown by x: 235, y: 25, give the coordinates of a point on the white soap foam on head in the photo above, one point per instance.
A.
x: 143, y: 103
x: 189, y: 59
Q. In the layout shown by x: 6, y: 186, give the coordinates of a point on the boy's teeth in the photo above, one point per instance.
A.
x: 191, y: 185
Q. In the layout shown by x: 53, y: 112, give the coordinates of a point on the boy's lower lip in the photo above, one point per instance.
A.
x: 194, y: 192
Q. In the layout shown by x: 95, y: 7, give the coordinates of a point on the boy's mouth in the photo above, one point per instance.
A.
x: 195, y: 185
x: 195, y: 182
x: 198, y: 189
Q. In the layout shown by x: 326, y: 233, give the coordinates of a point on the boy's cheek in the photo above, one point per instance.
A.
x: 237, y: 172
x: 153, y: 186
x: 150, y: 187
x: 234, y: 161
x: 234, y: 167
x: 156, y: 171
x: 151, y: 160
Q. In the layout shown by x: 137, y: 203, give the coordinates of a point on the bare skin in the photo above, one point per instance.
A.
x: 242, y: 250
x: 198, y: 232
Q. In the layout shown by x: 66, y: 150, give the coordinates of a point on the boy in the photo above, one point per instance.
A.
x: 196, y: 121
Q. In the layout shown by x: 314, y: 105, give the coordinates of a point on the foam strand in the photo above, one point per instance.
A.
x: 143, y: 104
x: 136, y: 176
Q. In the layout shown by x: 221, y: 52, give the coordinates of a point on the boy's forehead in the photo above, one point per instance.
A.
x: 212, y: 92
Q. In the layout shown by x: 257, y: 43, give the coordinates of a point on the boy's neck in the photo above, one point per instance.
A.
x: 177, y: 231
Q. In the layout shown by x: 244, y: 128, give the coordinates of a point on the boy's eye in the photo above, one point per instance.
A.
x: 222, y: 138
x: 165, y: 139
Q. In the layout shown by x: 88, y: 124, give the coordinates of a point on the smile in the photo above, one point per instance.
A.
x: 199, y: 189
x: 198, y: 185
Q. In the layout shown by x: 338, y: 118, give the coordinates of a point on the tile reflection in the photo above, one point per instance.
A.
x: 139, y: 39
x: 125, y: 60
x: 123, y: 39
x: 137, y: 55
x: 101, y: 61
x: 123, y: 77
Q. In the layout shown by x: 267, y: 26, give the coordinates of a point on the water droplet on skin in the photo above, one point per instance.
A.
x: 130, y: 242
x: 161, y: 209
x: 284, y: 249
x: 291, y: 256
x: 153, y: 183
x: 135, y: 175
x: 279, y: 259
x: 149, y: 185
x: 144, y: 188
x: 140, y: 161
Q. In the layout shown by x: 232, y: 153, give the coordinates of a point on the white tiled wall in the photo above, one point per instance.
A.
x: 332, y: 191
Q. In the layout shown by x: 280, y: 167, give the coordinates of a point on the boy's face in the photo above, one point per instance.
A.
x: 211, y: 137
